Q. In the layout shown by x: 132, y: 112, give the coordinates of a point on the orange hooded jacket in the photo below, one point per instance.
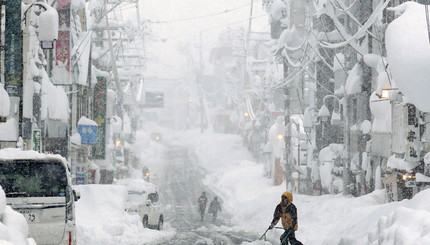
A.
x: 288, y: 213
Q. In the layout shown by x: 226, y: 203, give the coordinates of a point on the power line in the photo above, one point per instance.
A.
x: 213, y: 28
x: 199, y: 17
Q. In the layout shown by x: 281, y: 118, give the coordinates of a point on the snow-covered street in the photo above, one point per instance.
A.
x: 248, y: 201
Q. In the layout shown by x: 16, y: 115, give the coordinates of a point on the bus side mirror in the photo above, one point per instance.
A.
x: 76, y: 195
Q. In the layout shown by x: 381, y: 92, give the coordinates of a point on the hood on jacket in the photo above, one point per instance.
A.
x: 289, y: 195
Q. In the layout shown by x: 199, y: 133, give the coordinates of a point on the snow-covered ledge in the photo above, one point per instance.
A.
x: 401, y: 164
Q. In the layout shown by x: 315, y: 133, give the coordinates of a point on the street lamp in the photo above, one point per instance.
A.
x: 324, y: 113
x: 385, y: 94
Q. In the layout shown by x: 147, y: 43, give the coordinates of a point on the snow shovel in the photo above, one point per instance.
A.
x: 264, y: 235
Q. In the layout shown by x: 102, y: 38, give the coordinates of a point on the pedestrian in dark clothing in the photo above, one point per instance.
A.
x: 287, y: 212
x: 203, y: 200
x: 214, y: 207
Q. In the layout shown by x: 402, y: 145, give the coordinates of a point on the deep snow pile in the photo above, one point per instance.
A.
x: 101, y: 218
x: 13, y: 226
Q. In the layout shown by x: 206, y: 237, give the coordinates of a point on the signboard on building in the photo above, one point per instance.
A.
x: 81, y: 174
x: 398, y: 128
x: 391, y: 186
x: 154, y: 99
x: 62, y: 57
x: 99, y: 113
x: 88, y: 134
x: 37, y: 140
x: 13, y: 49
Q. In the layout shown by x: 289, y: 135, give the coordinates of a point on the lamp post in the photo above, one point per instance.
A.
x: 345, y: 154
x: 40, y: 24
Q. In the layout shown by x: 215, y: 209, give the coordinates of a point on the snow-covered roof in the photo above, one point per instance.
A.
x: 16, y: 153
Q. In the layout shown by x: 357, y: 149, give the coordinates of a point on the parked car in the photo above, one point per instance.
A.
x: 143, y: 199
x: 39, y: 186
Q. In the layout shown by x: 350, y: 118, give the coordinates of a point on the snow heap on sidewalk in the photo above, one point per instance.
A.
x: 101, y: 218
x: 13, y: 227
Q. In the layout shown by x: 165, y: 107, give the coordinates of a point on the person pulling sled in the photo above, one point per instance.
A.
x: 287, y: 212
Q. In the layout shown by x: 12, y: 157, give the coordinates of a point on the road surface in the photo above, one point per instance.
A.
x: 179, y: 188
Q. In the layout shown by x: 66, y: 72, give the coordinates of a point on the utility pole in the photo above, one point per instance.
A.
x: 288, y: 130
x: 200, y: 85
x: 345, y: 153
x: 113, y: 60
x: 250, y: 21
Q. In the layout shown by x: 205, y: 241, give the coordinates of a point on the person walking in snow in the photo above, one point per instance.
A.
x: 214, y: 207
x: 287, y: 212
x: 203, y: 200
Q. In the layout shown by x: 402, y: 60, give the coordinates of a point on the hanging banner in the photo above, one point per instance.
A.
x: 100, y: 91
x: 13, y: 49
x: 61, y: 69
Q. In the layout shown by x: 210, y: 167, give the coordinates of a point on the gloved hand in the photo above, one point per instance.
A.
x: 271, y: 226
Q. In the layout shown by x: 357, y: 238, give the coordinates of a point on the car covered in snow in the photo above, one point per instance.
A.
x: 39, y: 186
x: 143, y: 199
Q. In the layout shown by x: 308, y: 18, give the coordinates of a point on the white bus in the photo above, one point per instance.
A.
x: 39, y: 187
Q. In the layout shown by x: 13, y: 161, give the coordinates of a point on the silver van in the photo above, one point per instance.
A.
x: 39, y: 187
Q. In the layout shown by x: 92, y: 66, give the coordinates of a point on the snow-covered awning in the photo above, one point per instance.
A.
x: 401, y: 164
x: 55, y: 104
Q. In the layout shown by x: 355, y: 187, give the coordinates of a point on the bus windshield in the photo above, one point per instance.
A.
x: 33, y: 178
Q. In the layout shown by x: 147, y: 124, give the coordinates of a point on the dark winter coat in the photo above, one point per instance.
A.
x: 287, y: 214
x: 214, y: 206
x: 202, y: 201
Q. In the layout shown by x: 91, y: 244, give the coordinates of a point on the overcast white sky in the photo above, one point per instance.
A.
x: 219, y: 14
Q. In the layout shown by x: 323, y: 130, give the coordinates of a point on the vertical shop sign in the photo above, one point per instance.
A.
x: 37, y: 140
x: 100, y: 90
x: 13, y: 49
x: 62, y: 56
